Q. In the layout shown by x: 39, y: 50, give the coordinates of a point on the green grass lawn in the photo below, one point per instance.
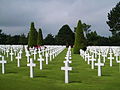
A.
x: 82, y: 77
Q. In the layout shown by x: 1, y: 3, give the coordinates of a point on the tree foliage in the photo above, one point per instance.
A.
x: 13, y: 40
x: 40, y: 38
x: 114, y: 19
x: 80, y: 41
x: 65, y: 36
x: 32, y: 39
x: 49, y: 40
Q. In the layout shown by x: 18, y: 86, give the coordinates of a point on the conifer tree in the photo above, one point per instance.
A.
x: 40, y: 38
x: 114, y: 20
x: 32, y: 39
x: 80, y: 41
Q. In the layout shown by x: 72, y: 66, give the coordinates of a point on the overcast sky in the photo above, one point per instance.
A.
x: 50, y: 15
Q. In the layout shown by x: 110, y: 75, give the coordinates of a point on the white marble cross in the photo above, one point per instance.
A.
x: 88, y: 58
x: 111, y: 58
x: 3, y: 66
x: 15, y: 51
x: 50, y: 55
x: 67, y: 69
x: 53, y: 53
x: 46, y: 57
x: 117, y: 55
x: 104, y: 57
x: 27, y: 55
x: 20, y: 52
x: 31, y: 65
x: 7, y: 52
x: 56, y: 52
x: 68, y: 58
x: 40, y: 60
x: 95, y: 52
x: 39, y: 52
x: 99, y: 54
x: 99, y: 64
x: 67, y: 62
x: 92, y: 62
x: 18, y: 60
x: 85, y: 56
x: 34, y: 54
x: 43, y: 52
x: 11, y: 54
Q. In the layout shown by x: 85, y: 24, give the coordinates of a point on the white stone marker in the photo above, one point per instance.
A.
x: 50, y: 56
x: 7, y: 52
x: 85, y: 56
x: 89, y: 58
x: 92, y: 62
x: 53, y: 53
x: 31, y: 65
x: 117, y: 55
x: 68, y: 58
x: 3, y: 66
x: 39, y: 52
x: 20, y: 52
x: 111, y: 58
x: 18, y: 60
x: 34, y: 54
x: 95, y: 52
x: 99, y: 64
x: 11, y: 55
x: 27, y: 55
x: 67, y: 69
x: 104, y: 57
x: 67, y: 62
x: 43, y: 52
x: 15, y: 51
x: 46, y: 57
x: 40, y: 60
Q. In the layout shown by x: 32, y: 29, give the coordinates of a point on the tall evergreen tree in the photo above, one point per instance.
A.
x: 80, y: 41
x: 114, y: 19
x: 36, y: 36
x: 32, y: 39
x: 40, y: 38
x: 65, y: 36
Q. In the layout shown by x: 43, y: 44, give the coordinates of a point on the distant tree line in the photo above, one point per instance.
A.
x: 65, y: 36
x: 13, y: 40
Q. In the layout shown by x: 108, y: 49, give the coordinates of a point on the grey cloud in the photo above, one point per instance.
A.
x: 50, y: 15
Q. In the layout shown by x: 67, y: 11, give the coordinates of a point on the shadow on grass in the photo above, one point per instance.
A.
x: 12, y: 72
x: 75, y: 71
x: 40, y: 76
x: 75, y: 82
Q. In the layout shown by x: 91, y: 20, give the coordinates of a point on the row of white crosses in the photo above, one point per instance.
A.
x: 94, y: 53
x: 66, y: 67
x: 31, y: 64
x: 12, y: 50
x: 7, y: 50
